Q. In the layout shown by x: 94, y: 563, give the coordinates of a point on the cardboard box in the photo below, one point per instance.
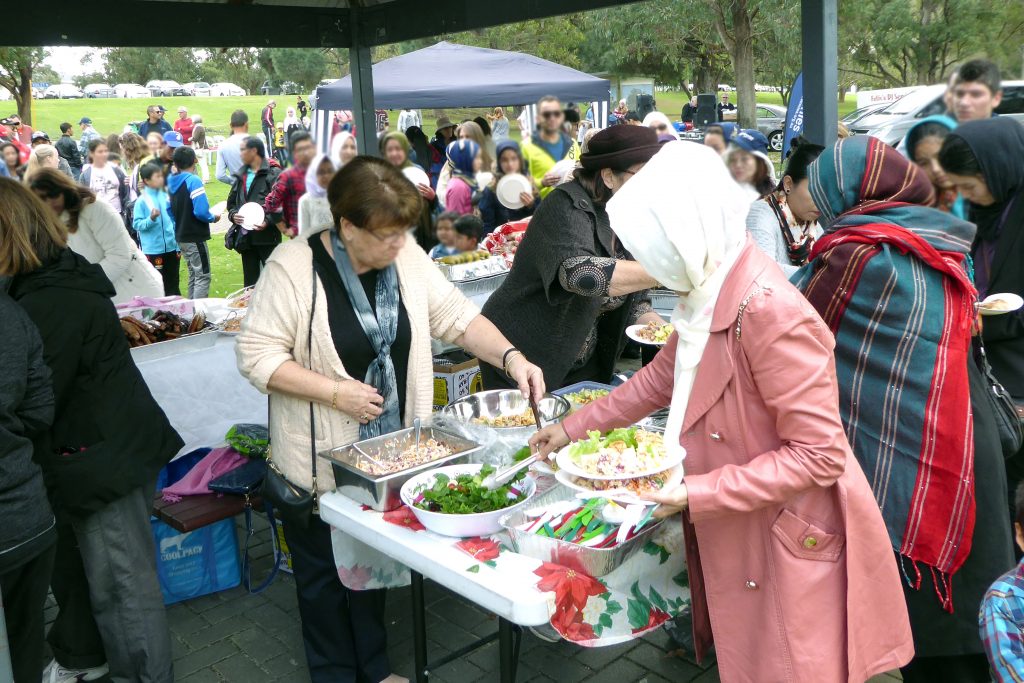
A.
x: 455, y: 376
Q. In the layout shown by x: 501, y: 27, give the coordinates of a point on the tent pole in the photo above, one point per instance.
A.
x: 821, y: 70
x: 363, y: 110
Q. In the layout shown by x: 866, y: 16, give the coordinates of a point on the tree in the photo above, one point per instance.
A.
x: 242, y: 66
x: 734, y: 22
x: 143, y: 64
x: 304, y: 66
x: 17, y: 65
x: 86, y: 79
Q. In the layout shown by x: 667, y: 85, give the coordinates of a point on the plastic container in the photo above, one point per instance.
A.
x: 460, y: 526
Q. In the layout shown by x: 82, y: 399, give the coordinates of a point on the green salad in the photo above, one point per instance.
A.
x: 465, y: 495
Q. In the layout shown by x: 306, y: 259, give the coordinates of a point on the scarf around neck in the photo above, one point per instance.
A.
x: 381, y: 329
x: 998, y: 145
x: 902, y: 330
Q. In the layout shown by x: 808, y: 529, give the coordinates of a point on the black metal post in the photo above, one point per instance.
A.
x: 819, y: 28
x: 363, y: 109
x: 419, y: 628
x: 507, y: 651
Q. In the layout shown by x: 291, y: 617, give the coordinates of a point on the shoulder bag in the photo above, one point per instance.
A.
x: 294, y: 504
x: 1011, y: 435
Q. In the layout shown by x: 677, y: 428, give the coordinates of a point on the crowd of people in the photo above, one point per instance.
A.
x: 830, y: 379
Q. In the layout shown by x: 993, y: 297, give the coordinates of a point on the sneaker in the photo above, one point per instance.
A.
x: 55, y: 673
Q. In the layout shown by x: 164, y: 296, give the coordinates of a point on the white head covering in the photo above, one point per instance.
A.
x: 658, y: 117
x: 683, y: 218
x: 336, y: 144
x: 312, y: 186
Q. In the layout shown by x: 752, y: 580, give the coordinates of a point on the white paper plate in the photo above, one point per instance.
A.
x: 633, y: 333
x: 252, y: 215
x: 1007, y: 300
x: 675, y: 477
x: 563, y: 166
x: 218, y: 208
x: 416, y: 175
x: 510, y: 187
x: 566, y: 464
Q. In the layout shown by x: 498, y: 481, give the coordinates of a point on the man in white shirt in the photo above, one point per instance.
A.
x: 407, y: 119
x: 229, y: 155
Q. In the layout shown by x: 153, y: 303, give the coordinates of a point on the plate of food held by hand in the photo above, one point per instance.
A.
x: 653, y: 334
x: 999, y: 304
x: 618, y: 455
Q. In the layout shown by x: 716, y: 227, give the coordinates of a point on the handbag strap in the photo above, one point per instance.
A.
x: 312, y: 424
x: 249, y: 533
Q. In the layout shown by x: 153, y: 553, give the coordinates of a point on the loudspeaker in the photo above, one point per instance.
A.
x: 707, y: 111
x: 707, y: 100
x: 644, y: 105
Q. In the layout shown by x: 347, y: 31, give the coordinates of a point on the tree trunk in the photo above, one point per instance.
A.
x: 742, y: 54
x: 705, y: 79
x: 23, y: 95
x: 842, y: 94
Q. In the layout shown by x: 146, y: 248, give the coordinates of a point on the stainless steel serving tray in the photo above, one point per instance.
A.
x: 383, y: 492
x: 596, y: 562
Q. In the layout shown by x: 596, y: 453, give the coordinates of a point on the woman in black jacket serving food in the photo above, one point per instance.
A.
x: 574, y: 288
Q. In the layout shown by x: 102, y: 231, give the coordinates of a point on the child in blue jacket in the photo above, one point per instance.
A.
x: 154, y: 222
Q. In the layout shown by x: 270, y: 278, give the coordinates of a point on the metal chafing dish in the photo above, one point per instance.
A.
x: 505, y: 402
x: 595, y: 562
x: 383, y: 492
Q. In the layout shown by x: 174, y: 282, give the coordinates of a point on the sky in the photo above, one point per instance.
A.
x: 72, y: 61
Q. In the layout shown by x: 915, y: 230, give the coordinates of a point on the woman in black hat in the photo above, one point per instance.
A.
x: 574, y: 288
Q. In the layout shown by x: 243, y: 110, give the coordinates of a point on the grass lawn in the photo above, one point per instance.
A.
x: 111, y: 115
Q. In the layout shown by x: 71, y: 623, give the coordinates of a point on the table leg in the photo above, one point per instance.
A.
x: 508, y: 650
x: 419, y: 628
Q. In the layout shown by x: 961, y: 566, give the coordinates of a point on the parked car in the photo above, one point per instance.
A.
x: 283, y: 88
x: 39, y: 90
x: 891, y: 124
x: 130, y: 90
x: 226, y: 90
x: 858, y: 114
x: 63, y: 91
x: 101, y: 90
x: 165, y: 89
x: 198, y: 89
x: 771, y: 120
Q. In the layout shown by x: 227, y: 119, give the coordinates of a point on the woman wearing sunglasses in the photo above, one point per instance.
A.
x: 338, y: 333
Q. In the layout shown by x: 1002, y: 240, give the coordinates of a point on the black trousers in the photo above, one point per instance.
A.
x: 253, y: 260
x: 957, y: 669
x: 343, y: 631
x: 24, y: 596
x: 169, y: 266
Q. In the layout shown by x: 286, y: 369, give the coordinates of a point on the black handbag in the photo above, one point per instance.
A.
x: 244, y: 481
x: 294, y: 504
x: 1011, y: 435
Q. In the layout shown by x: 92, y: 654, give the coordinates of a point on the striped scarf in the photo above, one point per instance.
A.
x: 888, y: 279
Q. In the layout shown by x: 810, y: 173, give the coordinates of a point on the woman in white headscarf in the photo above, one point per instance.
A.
x: 314, y: 210
x: 787, y: 554
x: 660, y: 123
x: 343, y: 148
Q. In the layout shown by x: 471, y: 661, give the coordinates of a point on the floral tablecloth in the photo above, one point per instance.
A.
x: 647, y: 590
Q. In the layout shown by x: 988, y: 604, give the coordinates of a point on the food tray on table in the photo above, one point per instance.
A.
x: 595, y: 562
x: 483, y: 266
x: 481, y: 285
x: 382, y: 492
x: 570, y: 391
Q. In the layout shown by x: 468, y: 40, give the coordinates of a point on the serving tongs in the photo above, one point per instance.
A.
x: 496, y: 480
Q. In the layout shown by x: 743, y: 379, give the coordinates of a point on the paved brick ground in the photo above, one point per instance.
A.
x: 237, y: 637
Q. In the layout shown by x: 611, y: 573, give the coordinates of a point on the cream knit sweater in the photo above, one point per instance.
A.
x: 276, y: 328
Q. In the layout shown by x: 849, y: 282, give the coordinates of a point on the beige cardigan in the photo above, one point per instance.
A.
x: 275, y: 330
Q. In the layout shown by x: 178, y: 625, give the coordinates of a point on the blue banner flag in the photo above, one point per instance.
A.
x: 794, y: 114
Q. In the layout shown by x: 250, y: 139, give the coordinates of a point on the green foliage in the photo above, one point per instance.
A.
x: 304, y: 66
x: 143, y: 64
x: 85, y: 79
x: 557, y: 39
x: 17, y: 65
x: 243, y: 66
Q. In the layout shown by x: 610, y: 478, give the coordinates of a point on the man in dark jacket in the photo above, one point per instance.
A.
x: 101, y: 458
x: 67, y: 148
x: 253, y: 183
x: 154, y: 122
x: 29, y: 531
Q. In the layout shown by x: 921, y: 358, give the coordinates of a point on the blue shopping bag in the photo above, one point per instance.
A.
x: 196, y: 562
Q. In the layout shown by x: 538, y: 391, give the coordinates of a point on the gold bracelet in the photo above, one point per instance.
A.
x: 508, y: 361
x: 334, y: 396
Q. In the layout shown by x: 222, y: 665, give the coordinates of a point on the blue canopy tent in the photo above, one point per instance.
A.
x: 447, y: 75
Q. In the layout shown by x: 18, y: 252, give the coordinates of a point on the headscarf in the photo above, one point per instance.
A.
x: 403, y: 141
x: 658, y: 117
x: 312, y: 186
x: 946, y: 199
x: 499, y: 149
x: 290, y: 118
x: 902, y: 330
x: 998, y: 145
x: 684, y: 220
x: 337, y: 143
x: 461, y: 154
